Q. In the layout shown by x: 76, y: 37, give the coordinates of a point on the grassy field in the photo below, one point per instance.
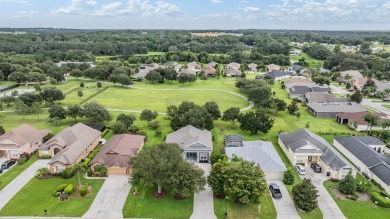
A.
x: 12, y: 173
x: 357, y: 209
x: 6, y: 83
x: 312, y: 62
x: 151, y: 54
x: 145, y: 206
x: 72, y: 98
x: 36, y: 196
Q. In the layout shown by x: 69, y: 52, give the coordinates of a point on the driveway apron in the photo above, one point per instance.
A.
x: 285, y: 208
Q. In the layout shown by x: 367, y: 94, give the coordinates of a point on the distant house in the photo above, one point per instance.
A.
x: 211, y: 64
x: 140, y: 75
x: 262, y: 153
x: 231, y: 72
x: 360, y: 82
x: 295, y: 52
x: 252, y: 67
x: 355, y: 76
x: 294, y: 69
x: 233, y: 65
x: 187, y: 71
x: 70, y: 146
x: 194, y: 65
x: 324, y: 70
x: 117, y: 152
x: 275, y: 75
x: 365, y: 153
x: 304, y: 147
x: 356, y: 121
x: 299, y: 92
x: 146, y: 68
x: 196, y: 144
x: 330, y: 110
x: 272, y: 67
x: 321, y: 97
x: 23, y: 139
x: 173, y: 65
x: 60, y: 64
x: 210, y: 71
x: 299, y: 82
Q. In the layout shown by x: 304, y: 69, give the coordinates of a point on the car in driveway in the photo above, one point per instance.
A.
x: 301, y: 169
x: 1, y: 170
x: 7, y: 164
x: 275, y: 190
x: 316, y: 168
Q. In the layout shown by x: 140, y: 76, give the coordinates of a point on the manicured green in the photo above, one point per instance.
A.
x: 36, y: 196
x: 151, y: 54
x: 146, y: 206
x: 72, y: 98
x: 6, y: 83
x: 12, y: 173
x: 312, y: 62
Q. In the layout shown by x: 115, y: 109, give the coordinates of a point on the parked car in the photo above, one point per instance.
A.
x: 7, y: 164
x: 1, y: 170
x: 316, y: 168
x: 301, y: 169
x: 275, y: 190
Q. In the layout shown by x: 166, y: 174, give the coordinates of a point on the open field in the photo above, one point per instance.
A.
x: 6, y: 83
x: 36, y: 196
x: 12, y: 173
x: 145, y: 206
x: 312, y: 62
x: 151, y: 54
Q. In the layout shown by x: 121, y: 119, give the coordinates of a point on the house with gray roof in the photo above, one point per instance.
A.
x: 294, y: 69
x: 187, y: 71
x: 262, y: 153
x: 194, y: 65
x: 70, y: 146
x: 196, y: 144
x: 253, y: 67
x: 211, y: 64
x: 299, y: 92
x: 275, y: 75
x: 330, y: 110
x: 320, y: 97
x: 366, y: 152
x: 231, y: 72
x: 304, y: 147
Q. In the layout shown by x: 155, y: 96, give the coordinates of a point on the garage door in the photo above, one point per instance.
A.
x: 116, y: 171
x: 273, y: 175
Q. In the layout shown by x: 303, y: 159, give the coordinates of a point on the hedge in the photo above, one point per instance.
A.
x: 380, y: 200
x: 87, y: 160
x: 93, y: 153
x: 61, y: 187
x: 105, y: 132
x: 69, y: 189
x: 83, y: 191
x: 377, y: 184
x: 45, y: 157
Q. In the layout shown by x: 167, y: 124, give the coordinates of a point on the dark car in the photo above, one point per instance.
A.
x: 316, y: 167
x: 275, y: 191
x: 1, y: 170
x: 7, y: 164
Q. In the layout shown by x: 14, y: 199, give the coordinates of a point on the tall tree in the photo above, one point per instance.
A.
x: 348, y: 184
x: 119, y: 127
x: 96, y: 112
x: 213, y: 109
x: 255, y: 122
x: 372, y: 120
x: 217, y: 178
x: 231, y: 115
x: 357, y: 97
x: 148, y: 115
x: 293, y: 108
x: 305, y: 195
x: 52, y: 94
x: 21, y: 108
x: 36, y: 108
x: 79, y: 168
x: 57, y: 111
x: 75, y: 111
x: 128, y: 120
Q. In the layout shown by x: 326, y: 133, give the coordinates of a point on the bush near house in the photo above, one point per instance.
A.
x: 288, y: 177
x: 69, y: 189
x: 381, y: 199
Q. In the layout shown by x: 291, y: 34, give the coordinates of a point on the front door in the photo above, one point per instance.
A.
x: 310, y: 158
x: 191, y: 156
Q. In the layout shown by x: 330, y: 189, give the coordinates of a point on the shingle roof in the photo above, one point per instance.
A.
x: 354, y: 73
x: 73, y: 140
x: 189, y: 136
x: 358, y: 117
x: 260, y: 152
x: 320, y: 97
x: 188, y: 71
x: 299, y: 90
x: 119, y: 150
x: 231, y: 71
x: 21, y: 135
x: 303, y: 137
x: 276, y: 74
x: 320, y: 89
x: 337, y: 107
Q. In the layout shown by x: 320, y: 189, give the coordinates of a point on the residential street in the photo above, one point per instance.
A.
x: 203, y: 201
x: 285, y: 208
x: 376, y: 106
x: 111, y: 198
x: 12, y: 188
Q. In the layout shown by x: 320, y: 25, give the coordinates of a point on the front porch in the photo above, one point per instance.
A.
x: 198, y: 157
x: 307, y: 160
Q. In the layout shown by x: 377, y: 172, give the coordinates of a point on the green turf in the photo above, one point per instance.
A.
x: 6, y: 83
x: 72, y: 98
x: 312, y: 62
x: 151, y: 54
x: 36, y: 196
x: 146, y: 206
x: 11, y: 174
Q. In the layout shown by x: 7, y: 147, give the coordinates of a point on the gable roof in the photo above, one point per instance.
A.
x: 234, y: 65
x: 119, y: 150
x: 21, y: 135
x: 209, y: 70
x: 276, y: 74
x: 188, y: 71
x: 231, y: 71
x: 188, y: 136
x: 211, y: 64
x: 73, y: 141
x: 320, y: 97
x: 337, y: 107
x: 355, y: 74
x: 303, y: 137
x: 262, y: 153
x: 299, y: 82
x: 299, y: 90
x: 273, y: 67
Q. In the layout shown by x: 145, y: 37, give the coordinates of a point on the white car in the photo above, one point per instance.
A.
x: 301, y: 169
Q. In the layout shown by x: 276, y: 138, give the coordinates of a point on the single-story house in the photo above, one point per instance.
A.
x: 117, y: 152
x: 187, y: 71
x: 194, y: 65
x: 70, y: 146
x: 355, y: 76
x: 196, y: 144
x: 262, y: 153
x: 146, y: 68
x: 299, y: 82
x: 23, y: 139
x: 294, y: 69
x: 272, y: 67
x: 304, y: 147
x: 211, y: 64
x: 295, y: 52
x: 210, y: 71
x: 330, y: 110
x: 276, y: 75
x: 60, y: 64
x: 324, y: 71
x: 231, y: 72
x: 320, y: 97
x: 365, y: 153
x: 252, y: 67
x: 234, y: 65
x: 299, y: 92
x: 140, y: 75
x: 172, y: 64
x: 356, y: 121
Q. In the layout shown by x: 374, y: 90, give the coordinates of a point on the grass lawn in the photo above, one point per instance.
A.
x: 151, y: 54
x: 6, y: 83
x: 145, y: 206
x: 12, y: 173
x: 386, y: 105
x: 36, y: 196
x: 358, y: 209
x: 312, y: 62
x: 72, y: 98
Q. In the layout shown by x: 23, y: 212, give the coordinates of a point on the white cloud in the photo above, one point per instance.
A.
x: 76, y: 7
x: 386, y: 5
x: 108, y: 10
x: 16, y: 1
x: 145, y: 8
x: 249, y: 9
x: 25, y: 14
x: 90, y: 2
x: 216, y: 1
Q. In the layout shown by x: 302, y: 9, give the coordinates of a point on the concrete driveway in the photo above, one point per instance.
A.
x: 203, y: 201
x: 13, y: 187
x: 110, y: 199
x: 328, y: 206
x: 285, y: 208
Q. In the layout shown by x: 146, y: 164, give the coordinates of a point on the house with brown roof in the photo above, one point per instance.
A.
x: 70, y: 146
x: 117, y: 152
x: 196, y: 144
x: 272, y: 67
x: 355, y: 120
x: 23, y: 139
x: 210, y: 71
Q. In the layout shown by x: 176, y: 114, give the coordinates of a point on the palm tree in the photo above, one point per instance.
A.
x: 372, y: 121
x: 79, y: 167
x: 385, y: 125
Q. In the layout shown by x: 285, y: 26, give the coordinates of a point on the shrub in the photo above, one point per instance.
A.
x: 56, y: 194
x: 305, y: 195
x: 83, y: 191
x: 215, y: 156
x: 98, y: 84
x: 154, y: 125
x: 363, y: 185
x: 86, y: 161
x: 93, y: 153
x: 22, y: 160
x: 42, y: 172
x: 380, y: 200
x: 67, y: 173
x: 44, y: 157
x: 61, y: 187
x: 288, y: 177
x: 47, y: 137
x: 348, y: 184
x: 69, y: 189
x: 133, y: 129
x: 377, y: 184
x: 105, y: 132
x: 89, y: 172
x: 158, y: 133
x: 101, y: 170
x: 141, y: 132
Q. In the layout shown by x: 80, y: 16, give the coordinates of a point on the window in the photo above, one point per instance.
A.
x: 45, y: 152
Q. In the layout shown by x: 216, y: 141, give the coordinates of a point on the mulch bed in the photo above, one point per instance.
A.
x: 163, y: 194
x: 89, y: 188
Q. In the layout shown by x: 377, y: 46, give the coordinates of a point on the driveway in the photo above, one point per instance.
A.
x: 110, y: 199
x: 13, y: 187
x: 328, y: 206
x: 285, y: 208
x: 339, y: 90
x: 203, y: 201
x: 375, y: 106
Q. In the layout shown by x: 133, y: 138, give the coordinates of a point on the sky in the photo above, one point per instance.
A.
x: 197, y: 14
